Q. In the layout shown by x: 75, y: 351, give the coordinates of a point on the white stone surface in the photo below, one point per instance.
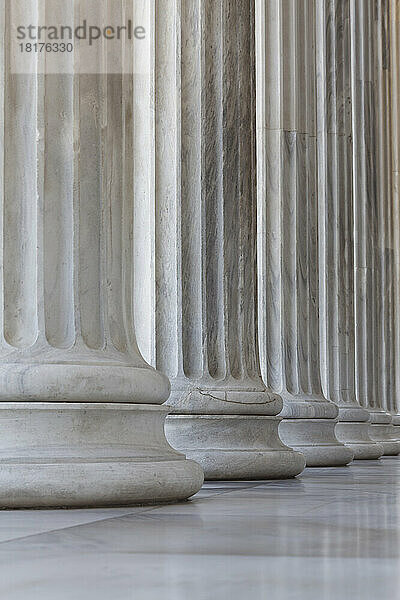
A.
x: 234, y: 446
x: 394, y: 33
x: 66, y: 323
x: 357, y: 436
x: 331, y: 533
x: 336, y: 228
x: 382, y: 431
x: 93, y: 454
x: 203, y: 335
x: 363, y: 115
x: 67, y: 337
x: 316, y: 439
x: 288, y: 242
x: 385, y: 361
x: 98, y: 169
x: 376, y: 261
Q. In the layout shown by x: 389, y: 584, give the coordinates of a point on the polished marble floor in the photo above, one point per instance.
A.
x: 331, y: 534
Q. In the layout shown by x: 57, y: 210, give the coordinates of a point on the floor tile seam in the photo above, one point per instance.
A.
x: 68, y: 527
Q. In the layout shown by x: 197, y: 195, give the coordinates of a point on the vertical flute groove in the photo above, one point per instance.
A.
x: 20, y: 195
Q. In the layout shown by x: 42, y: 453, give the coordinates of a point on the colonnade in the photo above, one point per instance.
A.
x: 215, y: 227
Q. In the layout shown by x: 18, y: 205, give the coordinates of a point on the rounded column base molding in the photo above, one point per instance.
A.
x: 217, y: 401
x: 379, y: 417
x: 353, y: 414
x: 234, y: 447
x: 356, y: 437
x: 102, y: 383
x: 396, y: 427
x: 76, y: 455
x: 385, y: 435
x: 315, y: 438
x: 396, y: 423
x: 307, y: 407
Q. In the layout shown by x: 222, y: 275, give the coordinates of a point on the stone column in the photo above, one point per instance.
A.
x: 381, y: 219
x: 394, y: 54
x: 384, y: 252
x: 336, y: 192
x: 205, y: 334
x: 79, y: 407
x: 288, y: 202
x: 370, y: 179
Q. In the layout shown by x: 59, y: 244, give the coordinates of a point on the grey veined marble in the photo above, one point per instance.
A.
x: 375, y: 256
x: 394, y: 63
x: 79, y: 407
x: 290, y: 214
x: 204, y: 290
x: 337, y: 53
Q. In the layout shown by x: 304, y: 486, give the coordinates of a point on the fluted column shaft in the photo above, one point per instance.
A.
x: 336, y: 193
x: 73, y: 384
x: 289, y: 221
x: 205, y: 296
x: 394, y: 32
x: 66, y: 239
x: 362, y: 174
x: 379, y: 215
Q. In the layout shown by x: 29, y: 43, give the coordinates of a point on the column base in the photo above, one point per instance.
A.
x: 356, y: 437
x: 395, y: 426
x: 213, y: 401
x: 232, y: 447
x: 315, y: 438
x: 385, y: 435
x: 79, y: 454
x: 396, y: 421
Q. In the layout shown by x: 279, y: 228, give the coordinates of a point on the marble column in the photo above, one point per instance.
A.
x: 384, y: 252
x: 289, y: 220
x: 394, y: 55
x: 336, y: 192
x: 370, y: 176
x: 79, y: 407
x: 205, y: 333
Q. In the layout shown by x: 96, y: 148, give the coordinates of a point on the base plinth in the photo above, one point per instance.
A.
x: 315, y: 438
x: 74, y: 455
x: 385, y: 435
x: 232, y: 447
x: 356, y: 437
